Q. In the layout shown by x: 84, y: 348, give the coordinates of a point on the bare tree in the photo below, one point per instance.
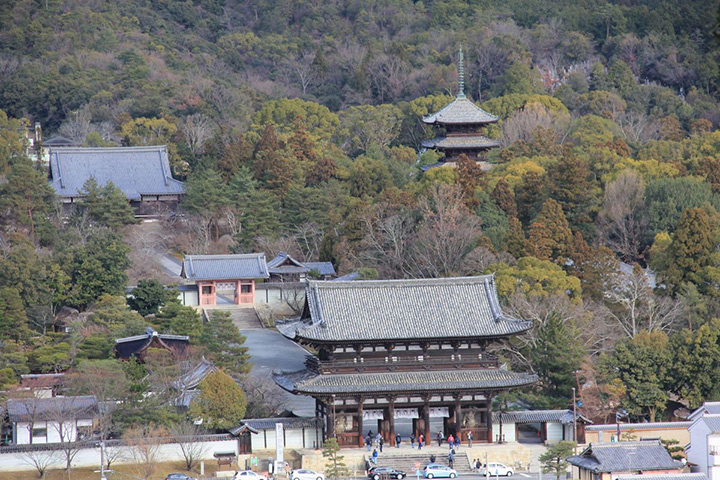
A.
x: 187, y: 435
x: 623, y: 220
x: 308, y: 237
x: 197, y: 129
x: 523, y: 124
x: 62, y: 416
x: 637, y: 308
x: 41, y: 460
x: 144, y: 449
x: 303, y: 67
x: 263, y: 398
x: 77, y: 125
x: 447, y: 232
x: 387, y: 241
x: 638, y: 127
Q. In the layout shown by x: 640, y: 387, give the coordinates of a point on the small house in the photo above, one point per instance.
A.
x: 228, y: 279
x: 52, y: 420
x: 607, y: 461
x: 284, y: 268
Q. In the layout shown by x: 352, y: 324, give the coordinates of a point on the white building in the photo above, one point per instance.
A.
x: 704, y: 449
x: 51, y: 420
x: 297, y: 432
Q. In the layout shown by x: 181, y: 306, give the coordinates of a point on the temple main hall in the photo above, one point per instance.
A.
x: 403, y: 349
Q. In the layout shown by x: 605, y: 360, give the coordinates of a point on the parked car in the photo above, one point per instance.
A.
x: 435, y: 470
x: 385, y: 472
x: 179, y: 476
x: 497, y: 469
x: 248, y: 475
x: 305, y: 474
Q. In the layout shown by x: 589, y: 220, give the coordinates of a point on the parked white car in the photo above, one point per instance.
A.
x: 248, y: 475
x: 305, y: 474
x: 497, y: 469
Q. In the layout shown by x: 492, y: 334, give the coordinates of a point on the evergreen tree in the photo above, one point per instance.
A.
x: 13, y: 319
x: 554, y: 460
x: 149, y: 296
x: 334, y: 467
x: 571, y: 184
x: 207, y: 195
x: 221, y: 403
x: 107, y: 205
x: 504, y: 198
x: 530, y: 195
x: 644, y: 365
x: 470, y: 177
x: 223, y: 344
x: 557, y: 353
x: 515, y: 241
x: 179, y: 320
x: 697, y: 363
x: 550, y: 235
x: 26, y: 198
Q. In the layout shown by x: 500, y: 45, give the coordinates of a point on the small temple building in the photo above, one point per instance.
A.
x: 460, y: 127
x: 403, y: 349
x: 284, y: 268
x: 138, y: 345
x: 234, y: 275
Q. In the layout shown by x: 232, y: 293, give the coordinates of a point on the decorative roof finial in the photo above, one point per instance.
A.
x: 461, y: 74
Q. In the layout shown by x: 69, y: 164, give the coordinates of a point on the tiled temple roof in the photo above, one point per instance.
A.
x: 308, y: 382
x: 625, y: 457
x: 137, y: 171
x: 385, y: 310
x: 460, y: 111
x: 461, y: 141
x: 225, y: 267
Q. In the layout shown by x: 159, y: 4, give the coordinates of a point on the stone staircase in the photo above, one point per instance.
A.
x: 245, y: 318
x: 407, y: 462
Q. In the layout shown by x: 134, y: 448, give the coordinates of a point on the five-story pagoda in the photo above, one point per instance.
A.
x: 411, y: 349
x: 464, y: 123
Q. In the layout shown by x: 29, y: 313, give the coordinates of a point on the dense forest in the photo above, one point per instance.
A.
x: 297, y: 127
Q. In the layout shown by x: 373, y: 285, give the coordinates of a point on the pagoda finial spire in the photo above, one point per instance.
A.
x: 461, y: 74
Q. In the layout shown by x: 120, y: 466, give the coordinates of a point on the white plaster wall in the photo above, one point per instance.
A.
x: 508, y: 430
x: 698, y: 454
x: 90, y: 457
x: 554, y: 432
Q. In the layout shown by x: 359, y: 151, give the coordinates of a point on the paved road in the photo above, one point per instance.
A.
x: 269, y: 350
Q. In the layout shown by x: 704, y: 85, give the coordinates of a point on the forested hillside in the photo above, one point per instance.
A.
x: 297, y: 127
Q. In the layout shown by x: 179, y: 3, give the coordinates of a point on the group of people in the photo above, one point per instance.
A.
x: 453, y: 440
x: 378, y: 441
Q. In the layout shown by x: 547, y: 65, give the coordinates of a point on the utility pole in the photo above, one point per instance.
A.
x: 102, y: 470
x: 574, y: 417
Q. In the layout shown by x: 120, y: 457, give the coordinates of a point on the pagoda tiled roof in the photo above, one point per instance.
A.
x: 307, y: 382
x: 461, y: 141
x: 418, y: 309
x: 461, y: 111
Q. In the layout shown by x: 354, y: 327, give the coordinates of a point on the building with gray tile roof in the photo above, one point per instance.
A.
x: 625, y: 457
x: 44, y: 409
x: 539, y: 416
x: 664, y: 476
x: 612, y: 427
x: 142, y: 173
x: 286, y: 268
x: 225, y: 267
x: 382, y: 310
x: 460, y: 111
x: 416, y: 345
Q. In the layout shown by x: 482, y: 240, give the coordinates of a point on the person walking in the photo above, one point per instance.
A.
x: 451, y: 458
x: 451, y: 441
x: 470, y: 439
x: 439, y: 438
x: 374, y: 456
x: 398, y: 439
x: 381, y: 442
x: 457, y: 441
x: 421, y: 439
x: 368, y: 442
x: 412, y: 439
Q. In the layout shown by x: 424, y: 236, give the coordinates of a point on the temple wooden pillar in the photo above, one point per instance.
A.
x: 458, y: 417
x: 489, y: 419
x: 426, y: 418
x: 330, y: 416
x: 361, y: 436
x: 391, y: 419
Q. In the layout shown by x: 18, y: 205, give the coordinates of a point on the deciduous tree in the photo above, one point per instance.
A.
x: 221, y: 403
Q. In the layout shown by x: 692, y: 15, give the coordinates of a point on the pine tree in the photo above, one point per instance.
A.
x: 27, y: 197
x: 207, y: 195
x: 571, y: 184
x: 529, y: 196
x: 13, y: 320
x: 550, y: 235
x: 515, y: 241
x: 504, y: 198
x: 107, y: 205
x: 335, y: 467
